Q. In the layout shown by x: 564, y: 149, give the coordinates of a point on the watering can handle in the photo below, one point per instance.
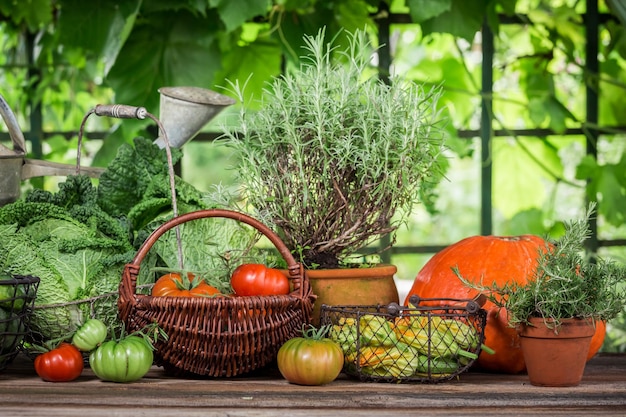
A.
x: 121, y: 111
x: 19, y: 144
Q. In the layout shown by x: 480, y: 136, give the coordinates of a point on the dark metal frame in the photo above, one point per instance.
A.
x: 384, y: 20
x: 592, y: 20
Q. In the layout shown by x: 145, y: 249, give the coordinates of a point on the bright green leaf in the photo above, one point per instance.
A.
x: 536, y: 80
x: 262, y: 57
x: 611, y: 111
x: 506, y: 6
x: 587, y: 168
x: 34, y: 13
x: 464, y: 19
x: 101, y: 28
x: 541, y: 16
x: 536, y: 112
x: 612, y: 193
x: 336, y: 17
x: 608, y: 185
x: 558, y: 114
x: 526, y: 222
x: 422, y: 10
x: 168, y: 49
x: 353, y: 15
x: 568, y: 25
x: 235, y: 13
x: 519, y: 176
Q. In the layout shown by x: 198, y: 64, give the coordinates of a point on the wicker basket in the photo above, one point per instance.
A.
x: 15, y: 310
x: 428, y: 343
x: 220, y: 336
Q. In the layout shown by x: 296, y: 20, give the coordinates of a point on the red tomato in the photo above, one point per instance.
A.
x: 62, y: 364
x: 257, y: 279
x: 174, y: 285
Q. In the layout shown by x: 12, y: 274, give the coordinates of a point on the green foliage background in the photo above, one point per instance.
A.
x: 66, y: 56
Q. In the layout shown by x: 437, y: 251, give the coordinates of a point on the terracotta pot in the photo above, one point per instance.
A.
x: 352, y: 286
x: 556, y: 360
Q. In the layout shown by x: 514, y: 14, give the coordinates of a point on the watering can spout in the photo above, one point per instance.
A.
x: 185, y: 110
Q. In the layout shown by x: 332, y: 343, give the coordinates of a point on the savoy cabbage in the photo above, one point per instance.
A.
x: 78, y: 239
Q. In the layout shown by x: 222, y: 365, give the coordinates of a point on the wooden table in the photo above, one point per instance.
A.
x: 23, y: 393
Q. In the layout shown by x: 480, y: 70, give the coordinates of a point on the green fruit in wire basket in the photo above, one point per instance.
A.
x: 10, y: 332
x: 11, y: 295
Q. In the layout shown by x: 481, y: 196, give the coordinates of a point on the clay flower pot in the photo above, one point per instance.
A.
x: 556, y: 359
x: 352, y: 286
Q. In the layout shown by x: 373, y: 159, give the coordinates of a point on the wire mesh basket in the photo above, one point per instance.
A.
x: 18, y: 294
x: 431, y: 340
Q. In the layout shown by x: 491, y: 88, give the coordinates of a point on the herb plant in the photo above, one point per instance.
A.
x: 335, y: 157
x: 567, y: 282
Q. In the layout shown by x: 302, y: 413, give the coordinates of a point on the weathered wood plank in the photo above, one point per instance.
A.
x: 22, y: 392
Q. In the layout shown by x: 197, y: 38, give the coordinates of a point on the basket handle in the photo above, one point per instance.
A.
x: 296, y: 270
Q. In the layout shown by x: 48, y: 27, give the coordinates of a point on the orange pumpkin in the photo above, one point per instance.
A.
x: 493, y: 259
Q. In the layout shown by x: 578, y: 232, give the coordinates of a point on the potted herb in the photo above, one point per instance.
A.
x: 335, y: 158
x: 569, y: 291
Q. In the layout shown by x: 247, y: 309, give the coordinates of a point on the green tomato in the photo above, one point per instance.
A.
x: 310, y: 360
x: 90, y: 335
x: 126, y: 360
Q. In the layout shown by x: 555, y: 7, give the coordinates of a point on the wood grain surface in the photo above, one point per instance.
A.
x: 266, y: 393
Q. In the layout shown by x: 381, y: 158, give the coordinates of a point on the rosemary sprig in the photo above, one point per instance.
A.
x: 567, y: 282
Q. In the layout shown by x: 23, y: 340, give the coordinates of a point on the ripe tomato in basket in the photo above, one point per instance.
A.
x: 174, y: 285
x: 258, y: 279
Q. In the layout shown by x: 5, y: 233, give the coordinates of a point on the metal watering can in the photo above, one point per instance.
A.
x: 184, y: 111
x: 15, y: 167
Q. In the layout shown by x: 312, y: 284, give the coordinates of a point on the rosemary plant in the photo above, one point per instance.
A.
x: 567, y: 282
x: 335, y: 158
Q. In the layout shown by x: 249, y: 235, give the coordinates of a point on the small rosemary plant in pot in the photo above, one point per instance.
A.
x: 567, y: 283
x: 556, y: 310
x: 335, y: 158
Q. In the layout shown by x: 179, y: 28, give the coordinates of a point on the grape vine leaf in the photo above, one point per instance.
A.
x: 518, y: 180
x: 253, y: 64
x: 173, y: 48
x: 337, y: 18
x: 234, y: 13
x: 102, y: 28
x: 35, y: 13
x: 605, y: 183
x: 421, y: 10
x: 529, y: 221
x: 464, y: 19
